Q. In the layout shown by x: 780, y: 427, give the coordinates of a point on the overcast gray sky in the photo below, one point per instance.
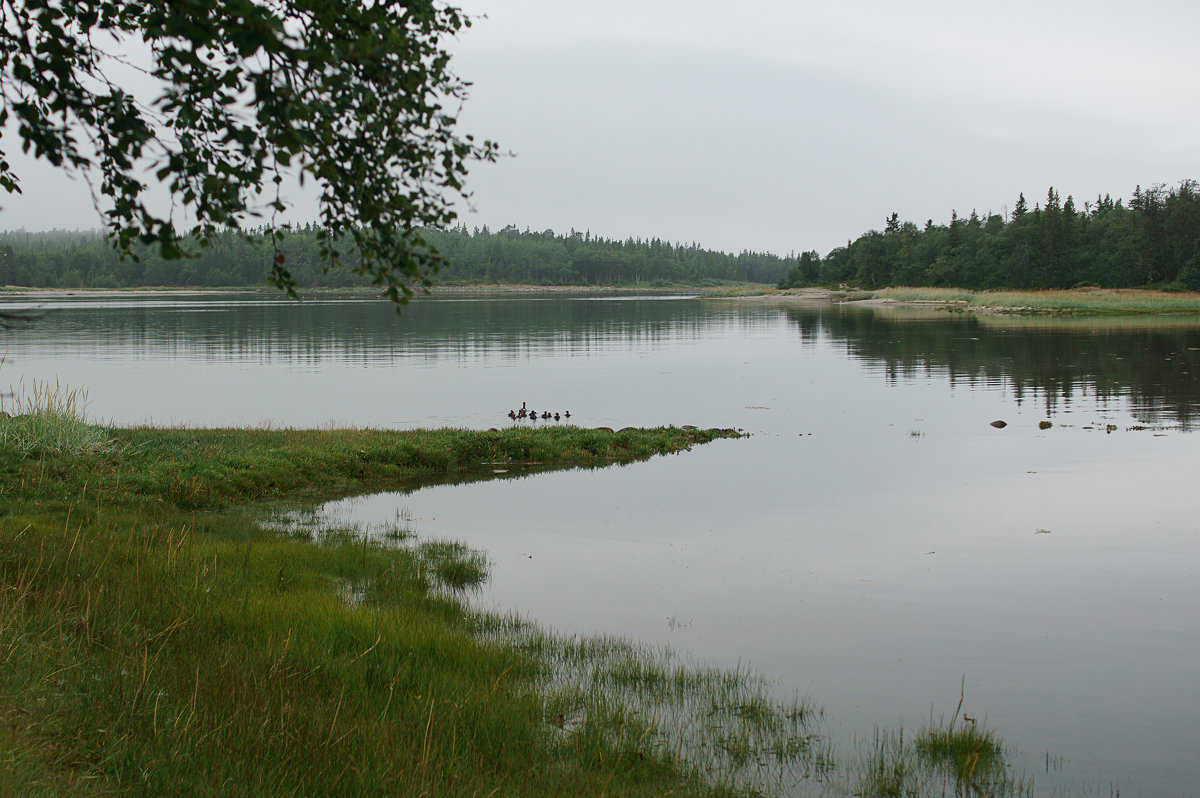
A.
x: 781, y: 126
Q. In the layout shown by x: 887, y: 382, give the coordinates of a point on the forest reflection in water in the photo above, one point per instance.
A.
x: 1151, y: 364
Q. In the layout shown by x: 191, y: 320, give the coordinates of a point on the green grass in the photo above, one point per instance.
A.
x: 727, y: 728
x: 452, y: 564
x: 45, y: 417
x: 156, y: 638
x: 970, y: 753
x: 940, y: 759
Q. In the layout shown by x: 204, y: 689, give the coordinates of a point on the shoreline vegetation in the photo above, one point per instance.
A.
x: 1082, y: 301
x: 169, y: 627
x: 1061, y: 302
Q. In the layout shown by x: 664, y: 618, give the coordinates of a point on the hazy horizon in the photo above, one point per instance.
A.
x: 784, y: 127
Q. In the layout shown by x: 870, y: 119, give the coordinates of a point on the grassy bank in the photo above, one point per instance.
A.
x: 156, y: 638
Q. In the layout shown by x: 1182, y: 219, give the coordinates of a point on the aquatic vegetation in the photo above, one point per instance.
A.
x: 940, y: 759
x: 452, y: 564
x: 726, y: 727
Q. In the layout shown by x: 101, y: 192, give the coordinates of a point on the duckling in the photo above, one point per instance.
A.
x: 533, y: 415
x: 512, y: 414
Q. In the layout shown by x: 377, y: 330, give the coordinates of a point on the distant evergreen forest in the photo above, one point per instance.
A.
x: 1153, y: 240
x: 85, y: 260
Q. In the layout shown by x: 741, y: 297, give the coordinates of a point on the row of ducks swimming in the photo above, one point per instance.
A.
x: 532, y: 415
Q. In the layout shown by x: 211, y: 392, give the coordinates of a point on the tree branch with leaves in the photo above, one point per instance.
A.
x: 356, y: 96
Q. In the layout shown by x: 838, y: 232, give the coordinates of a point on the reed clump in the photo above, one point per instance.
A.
x: 941, y: 758
x: 44, y: 417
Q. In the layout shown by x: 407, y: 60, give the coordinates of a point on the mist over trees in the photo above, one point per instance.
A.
x: 1153, y: 240
x: 86, y: 260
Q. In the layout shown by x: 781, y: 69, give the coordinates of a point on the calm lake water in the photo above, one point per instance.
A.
x: 873, y: 543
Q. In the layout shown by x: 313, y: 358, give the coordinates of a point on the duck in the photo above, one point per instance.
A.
x: 512, y: 414
x: 557, y: 417
x: 546, y: 415
x: 566, y: 414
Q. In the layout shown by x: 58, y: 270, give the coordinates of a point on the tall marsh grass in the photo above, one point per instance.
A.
x: 48, y: 417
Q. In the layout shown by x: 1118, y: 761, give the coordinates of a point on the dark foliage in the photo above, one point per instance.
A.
x: 354, y: 96
x: 1152, y: 240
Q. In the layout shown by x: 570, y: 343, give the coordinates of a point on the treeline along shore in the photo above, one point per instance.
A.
x: 1151, y: 240
x: 61, y: 259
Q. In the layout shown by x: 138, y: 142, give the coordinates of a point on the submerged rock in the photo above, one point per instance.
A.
x: 1045, y: 425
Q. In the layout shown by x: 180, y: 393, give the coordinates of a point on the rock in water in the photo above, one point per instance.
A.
x: 999, y: 424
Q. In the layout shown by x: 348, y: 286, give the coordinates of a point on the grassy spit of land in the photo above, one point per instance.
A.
x: 1075, y: 301
x: 156, y: 637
